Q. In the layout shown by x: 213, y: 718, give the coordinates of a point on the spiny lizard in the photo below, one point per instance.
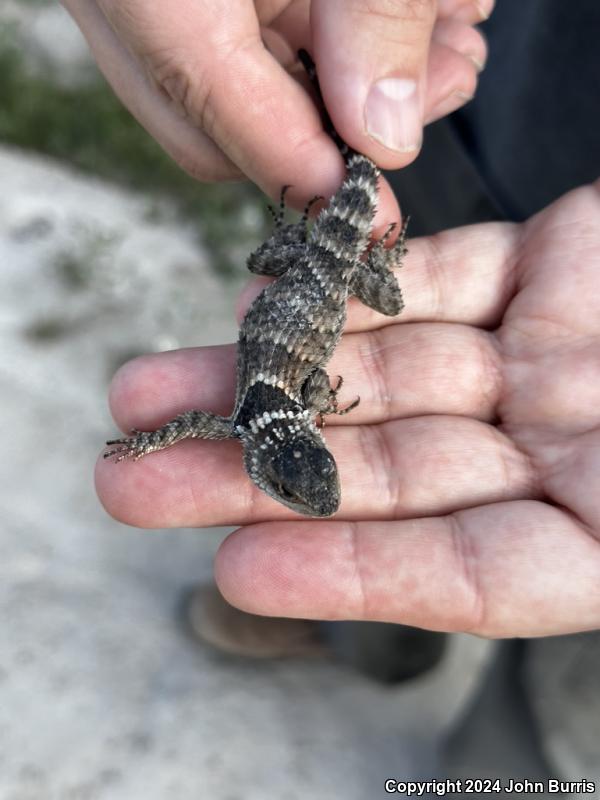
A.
x: 286, y: 338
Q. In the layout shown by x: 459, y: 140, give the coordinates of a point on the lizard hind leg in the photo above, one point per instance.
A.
x: 286, y: 244
x: 321, y: 399
x: 190, y: 425
x: 373, y: 281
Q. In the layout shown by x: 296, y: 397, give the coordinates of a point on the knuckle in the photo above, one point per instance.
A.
x: 181, y: 78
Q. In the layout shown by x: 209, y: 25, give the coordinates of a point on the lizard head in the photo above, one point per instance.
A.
x: 289, y: 461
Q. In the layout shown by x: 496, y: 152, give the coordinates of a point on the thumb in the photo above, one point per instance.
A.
x: 372, y: 61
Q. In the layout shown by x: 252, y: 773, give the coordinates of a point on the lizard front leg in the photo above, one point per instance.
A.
x: 373, y: 281
x: 190, y: 425
x: 320, y: 398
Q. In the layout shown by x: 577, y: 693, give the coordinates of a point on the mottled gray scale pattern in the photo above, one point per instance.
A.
x: 341, y: 234
x: 274, y: 267
x: 286, y: 339
x: 356, y: 200
x: 344, y: 227
x: 284, y: 248
x: 377, y: 290
x: 189, y: 425
x: 374, y: 283
x: 280, y: 336
x: 360, y: 172
x: 285, y: 373
x: 317, y: 392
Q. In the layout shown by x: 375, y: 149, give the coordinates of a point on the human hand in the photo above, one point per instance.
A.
x: 470, y: 472
x: 204, y: 85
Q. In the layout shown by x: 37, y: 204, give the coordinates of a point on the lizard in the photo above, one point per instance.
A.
x: 289, y: 334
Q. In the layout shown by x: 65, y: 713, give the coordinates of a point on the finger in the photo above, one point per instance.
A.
x: 451, y: 82
x: 464, y: 39
x: 463, y: 275
x: 398, y: 371
x: 415, y: 370
x: 509, y: 569
x: 469, y: 11
x: 458, y: 54
x: 405, y: 468
x: 374, y: 85
x: 233, y: 90
x: 290, y: 22
x: 401, y: 371
x: 192, y: 149
x: 151, y: 389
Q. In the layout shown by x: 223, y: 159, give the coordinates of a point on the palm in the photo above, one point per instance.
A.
x: 470, y: 471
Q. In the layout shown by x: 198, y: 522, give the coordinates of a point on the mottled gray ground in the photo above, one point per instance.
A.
x: 102, y: 692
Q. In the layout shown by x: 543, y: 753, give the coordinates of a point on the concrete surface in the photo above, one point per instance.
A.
x: 102, y: 693
x: 562, y: 679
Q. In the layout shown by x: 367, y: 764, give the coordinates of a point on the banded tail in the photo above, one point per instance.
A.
x: 311, y: 71
x: 345, y: 226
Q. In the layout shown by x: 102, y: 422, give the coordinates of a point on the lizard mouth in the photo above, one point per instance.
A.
x: 293, y: 500
x: 300, y: 506
x: 287, y: 495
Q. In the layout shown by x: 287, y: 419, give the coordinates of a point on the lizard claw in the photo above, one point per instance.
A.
x: 341, y: 411
x: 129, y: 447
x: 309, y: 205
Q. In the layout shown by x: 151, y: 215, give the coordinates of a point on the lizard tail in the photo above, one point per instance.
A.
x: 311, y: 70
x: 345, y: 226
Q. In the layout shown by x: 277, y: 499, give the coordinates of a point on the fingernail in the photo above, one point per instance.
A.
x: 393, y: 114
x: 484, y: 7
x: 474, y: 12
x: 479, y: 65
x: 464, y: 97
